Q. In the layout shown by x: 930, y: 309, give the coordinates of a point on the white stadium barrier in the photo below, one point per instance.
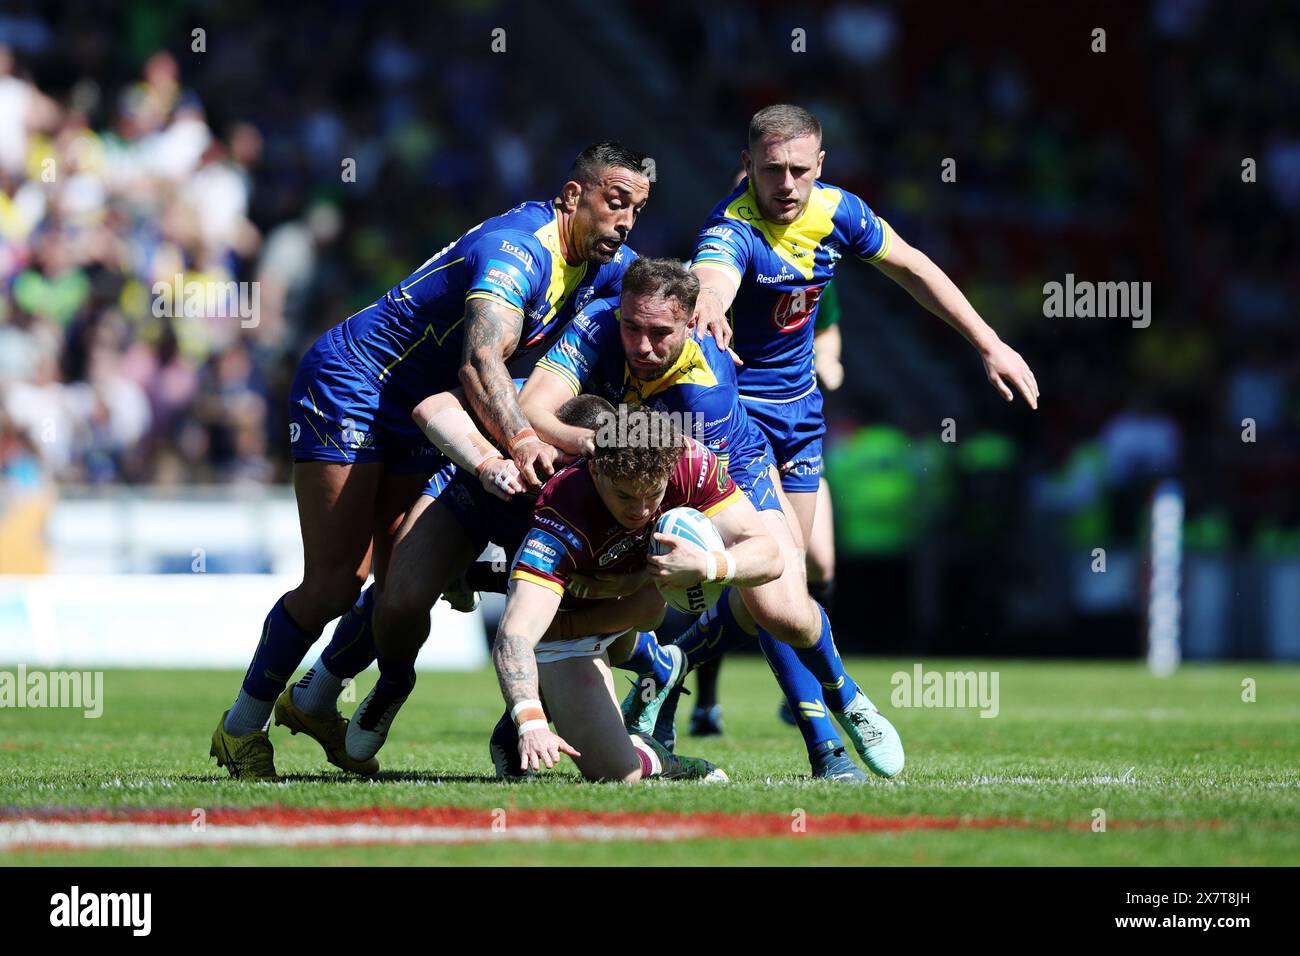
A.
x: 105, y: 604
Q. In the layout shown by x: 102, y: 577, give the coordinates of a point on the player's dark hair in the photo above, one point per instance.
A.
x: 585, y: 411
x: 589, y: 166
x: 784, y: 121
x: 637, y: 445
x: 666, y: 278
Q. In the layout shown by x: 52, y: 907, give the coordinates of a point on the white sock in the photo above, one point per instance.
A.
x: 248, y: 715
x: 651, y: 765
x: 318, y: 691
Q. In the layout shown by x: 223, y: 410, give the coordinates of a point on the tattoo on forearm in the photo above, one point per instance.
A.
x: 516, y: 665
x: 491, y: 332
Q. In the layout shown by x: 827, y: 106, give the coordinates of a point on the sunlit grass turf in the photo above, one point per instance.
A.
x: 1070, y: 738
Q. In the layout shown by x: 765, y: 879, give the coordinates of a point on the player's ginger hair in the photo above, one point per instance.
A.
x: 637, y: 445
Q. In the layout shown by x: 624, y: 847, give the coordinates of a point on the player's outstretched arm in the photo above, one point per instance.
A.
x: 930, y: 286
x: 491, y: 335
x: 445, y: 422
x: 751, y: 558
x: 543, y: 395
x: 529, y: 610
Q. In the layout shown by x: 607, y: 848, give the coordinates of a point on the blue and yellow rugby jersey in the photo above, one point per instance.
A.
x: 589, y: 356
x: 781, y: 272
x: 410, y: 340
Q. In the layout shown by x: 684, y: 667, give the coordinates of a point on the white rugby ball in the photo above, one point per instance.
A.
x: 690, y: 525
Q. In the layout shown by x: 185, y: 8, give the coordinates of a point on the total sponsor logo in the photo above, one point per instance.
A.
x: 521, y: 254
x: 722, y: 232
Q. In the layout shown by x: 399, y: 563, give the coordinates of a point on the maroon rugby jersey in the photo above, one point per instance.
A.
x: 572, y: 530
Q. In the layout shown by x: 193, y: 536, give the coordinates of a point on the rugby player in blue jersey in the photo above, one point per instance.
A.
x: 503, y: 287
x: 763, y: 258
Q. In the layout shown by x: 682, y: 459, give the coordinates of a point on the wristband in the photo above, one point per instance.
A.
x: 528, y: 725
x: 710, y: 566
x: 726, y: 576
x: 522, y: 437
x: 478, y: 469
x: 528, y: 712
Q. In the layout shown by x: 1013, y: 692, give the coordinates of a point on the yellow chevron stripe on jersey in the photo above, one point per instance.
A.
x: 796, y: 243
x: 564, y: 277
x: 691, y: 368
x: 428, y: 330
x: 406, y: 288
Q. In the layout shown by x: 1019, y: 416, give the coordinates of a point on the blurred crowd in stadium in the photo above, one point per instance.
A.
x: 128, y: 159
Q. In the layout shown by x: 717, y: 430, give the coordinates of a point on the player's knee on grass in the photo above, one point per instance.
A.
x: 609, y: 768
x: 580, y: 700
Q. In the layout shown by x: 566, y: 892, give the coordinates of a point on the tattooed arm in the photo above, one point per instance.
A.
x: 529, y: 610
x: 491, y: 335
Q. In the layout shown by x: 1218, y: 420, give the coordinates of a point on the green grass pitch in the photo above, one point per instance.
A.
x: 1185, y: 770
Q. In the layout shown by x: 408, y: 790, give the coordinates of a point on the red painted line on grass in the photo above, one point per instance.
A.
x: 447, y: 824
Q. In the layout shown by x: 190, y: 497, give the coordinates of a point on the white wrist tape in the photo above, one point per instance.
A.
x: 454, y: 433
x: 711, y: 566
x: 524, y: 705
x: 528, y: 725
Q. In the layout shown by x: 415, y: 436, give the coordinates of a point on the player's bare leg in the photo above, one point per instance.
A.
x: 579, y: 694
x: 821, y: 545
x: 580, y: 697
x: 311, y: 705
x: 336, y: 502
x: 803, y: 506
x: 430, y: 553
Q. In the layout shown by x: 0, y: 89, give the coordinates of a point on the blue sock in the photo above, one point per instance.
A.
x: 648, y: 658
x: 279, y: 652
x: 352, y: 648
x: 802, y: 691
x: 396, y: 678
x: 716, y: 632
x: 396, y: 681
x: 824, y: 662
